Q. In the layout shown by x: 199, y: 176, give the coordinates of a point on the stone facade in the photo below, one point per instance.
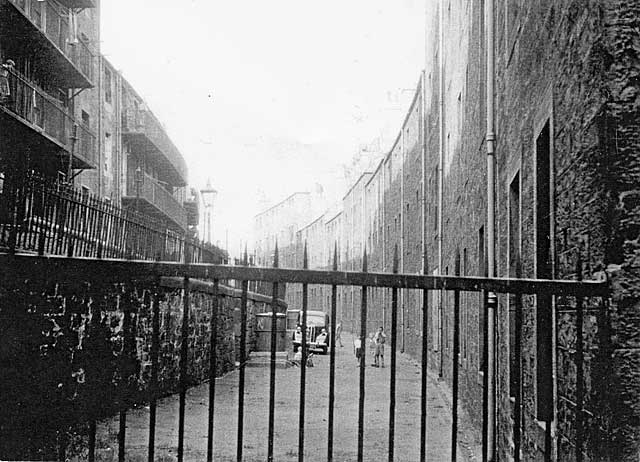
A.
x: 566, y: 186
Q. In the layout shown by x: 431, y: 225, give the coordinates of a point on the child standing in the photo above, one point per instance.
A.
x: 380, y: 339
x: 357, y: 348
x: 372, y: 348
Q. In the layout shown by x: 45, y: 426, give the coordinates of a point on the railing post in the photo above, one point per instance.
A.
x: 363, y: 358
x: 332, y: 358
x: 455, y: 365
x: 303, y: 364
x: 425, y: 364
x: 125, y: 373
x: 213, y: 364
x: 517, y: 411
x: 153, y: 386
x: 579, y: 418
x: 243, y: 359
x: 394, y: 343
x: 272, y: 364
x: 184, y: 358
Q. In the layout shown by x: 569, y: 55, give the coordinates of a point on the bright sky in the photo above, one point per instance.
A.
x: 266, y: 98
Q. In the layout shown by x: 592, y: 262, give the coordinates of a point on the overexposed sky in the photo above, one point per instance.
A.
x: 266, y: 98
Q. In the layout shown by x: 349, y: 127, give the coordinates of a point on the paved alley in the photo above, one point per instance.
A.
x: 287, y: 408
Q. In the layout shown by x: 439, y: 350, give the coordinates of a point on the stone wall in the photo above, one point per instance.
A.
x: 70, y: 353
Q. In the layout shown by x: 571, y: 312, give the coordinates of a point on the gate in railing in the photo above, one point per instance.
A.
x: 19, y: 267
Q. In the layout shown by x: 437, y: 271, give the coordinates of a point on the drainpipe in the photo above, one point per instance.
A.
x: 100, y: 140
x: 423, y: 204
x: 402, y: 213
x: 441, y: 116
x: 491, y: 299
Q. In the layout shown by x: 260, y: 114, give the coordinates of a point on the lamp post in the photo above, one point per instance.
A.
x: 208, y: 195
x: 139, y: 179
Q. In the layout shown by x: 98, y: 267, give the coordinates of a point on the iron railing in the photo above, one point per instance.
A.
x: 57, y: 219
x: 43, y: 111
x: 20, y: 267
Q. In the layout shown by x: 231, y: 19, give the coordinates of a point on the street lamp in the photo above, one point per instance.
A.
x: 139, y: 179
x: 208, y: 195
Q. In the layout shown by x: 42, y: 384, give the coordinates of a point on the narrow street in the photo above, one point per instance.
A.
x: 287, y: 402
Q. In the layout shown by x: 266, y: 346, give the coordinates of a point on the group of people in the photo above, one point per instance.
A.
x: 376, y: 347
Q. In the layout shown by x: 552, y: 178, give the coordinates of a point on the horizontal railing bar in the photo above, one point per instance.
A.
x: 11, y: 265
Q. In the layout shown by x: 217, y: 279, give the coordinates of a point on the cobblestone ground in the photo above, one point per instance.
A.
x: 287, y: 408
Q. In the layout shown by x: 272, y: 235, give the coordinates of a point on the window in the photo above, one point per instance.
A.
x: 482, y: 271
x: 465, y: 308
x: 445, y: 313
x: 514, y: 271
x: 544, y: 326
x: 86, y: 119
x: 482, y: 80
x: 434, y: 195
x: 107, y: 86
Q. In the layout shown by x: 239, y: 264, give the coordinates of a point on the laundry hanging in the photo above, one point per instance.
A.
x: 73, y: 27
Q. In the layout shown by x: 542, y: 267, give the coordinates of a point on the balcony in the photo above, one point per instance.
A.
x: 193, y: 212
x: 43, y: 27
x: 155, y: 200
x: 78, y: 3
x: 145, y: 134
x: 38, y: 112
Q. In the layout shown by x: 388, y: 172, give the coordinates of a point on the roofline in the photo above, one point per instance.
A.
x: 377, y: 170
x: 310, y: 224
x: 281, y: 202
x: 335, y: 215
x: 355, y: 183
x: 413, y: 101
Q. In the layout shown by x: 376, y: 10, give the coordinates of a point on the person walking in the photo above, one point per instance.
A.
x: 339, y: 334
x: 380, y: 338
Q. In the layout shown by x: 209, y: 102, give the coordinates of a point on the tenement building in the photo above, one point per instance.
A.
x: 517, y: 158
x: 67, y: 116
x: 48, y: 110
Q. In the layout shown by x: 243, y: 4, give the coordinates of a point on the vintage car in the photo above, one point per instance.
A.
x: 317, y: 340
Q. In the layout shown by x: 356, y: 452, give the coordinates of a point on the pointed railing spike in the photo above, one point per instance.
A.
x: 425, y: 362
x: 305, y: 257
x: 396, y: 263
x: 364, y: 261
x: 276, y: 256
x: 332, y: 359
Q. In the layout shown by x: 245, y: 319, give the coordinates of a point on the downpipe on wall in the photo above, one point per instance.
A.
x: 491, y: 270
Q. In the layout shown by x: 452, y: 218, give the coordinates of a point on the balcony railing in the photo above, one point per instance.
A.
x: 78, y: 3
x: 152, y: 192
x: 44, y: 113
x: 54, y: 24
x: 136, y: 123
